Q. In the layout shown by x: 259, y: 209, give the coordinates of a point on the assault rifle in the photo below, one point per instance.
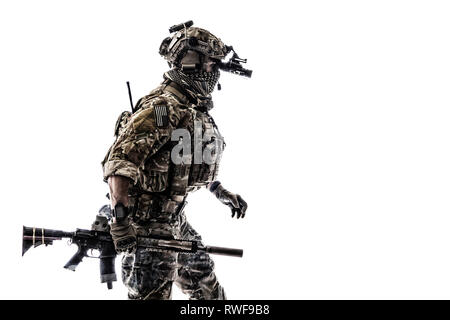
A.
x: 100, y: 239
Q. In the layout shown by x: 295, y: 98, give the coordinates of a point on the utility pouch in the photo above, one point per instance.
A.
x: 155, y: 175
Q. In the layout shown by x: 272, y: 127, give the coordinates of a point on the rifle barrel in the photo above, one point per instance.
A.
x: 225, y: 251
x: 186, y: 246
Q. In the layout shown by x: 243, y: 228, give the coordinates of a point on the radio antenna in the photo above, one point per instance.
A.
x: 131, y: 98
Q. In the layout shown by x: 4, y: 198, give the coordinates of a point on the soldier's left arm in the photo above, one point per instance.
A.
x: 234, y: 201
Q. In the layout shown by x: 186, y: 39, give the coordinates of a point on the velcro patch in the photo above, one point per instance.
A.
x: 161, y: 116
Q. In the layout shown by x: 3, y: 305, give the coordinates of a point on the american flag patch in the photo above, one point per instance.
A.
x: 161, y: 115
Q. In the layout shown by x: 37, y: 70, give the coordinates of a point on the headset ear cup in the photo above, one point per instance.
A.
x: 163, y: 49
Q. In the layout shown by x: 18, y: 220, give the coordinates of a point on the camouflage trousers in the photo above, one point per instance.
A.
x: 150, y: 275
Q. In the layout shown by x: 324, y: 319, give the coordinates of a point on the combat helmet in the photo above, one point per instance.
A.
x: 186, y: 37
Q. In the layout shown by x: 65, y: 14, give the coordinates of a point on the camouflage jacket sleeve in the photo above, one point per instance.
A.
x: 145, y: 133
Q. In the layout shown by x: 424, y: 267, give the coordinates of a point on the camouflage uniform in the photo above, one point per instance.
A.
x: 142, y: 153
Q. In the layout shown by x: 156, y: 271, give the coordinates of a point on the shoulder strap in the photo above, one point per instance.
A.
x: 174, y: 88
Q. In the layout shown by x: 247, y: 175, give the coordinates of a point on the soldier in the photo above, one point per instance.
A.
x: 149, y: 180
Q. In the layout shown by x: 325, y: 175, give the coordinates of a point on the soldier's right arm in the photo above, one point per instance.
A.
x: 118, y: 190
x: 145, y: 133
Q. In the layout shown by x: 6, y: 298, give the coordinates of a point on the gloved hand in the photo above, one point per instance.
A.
x: 237, y: 205
x: 123, y: 235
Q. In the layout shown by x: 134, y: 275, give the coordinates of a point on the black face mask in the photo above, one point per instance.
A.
x: 201, y: 81
x: 199, y: 84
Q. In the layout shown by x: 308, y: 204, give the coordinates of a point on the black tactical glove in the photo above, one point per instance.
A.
x: 124, y: 236
x: 237, y: 205
x: 122, y: 231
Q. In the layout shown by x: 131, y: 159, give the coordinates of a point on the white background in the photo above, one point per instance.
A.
x: 339, y: 142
